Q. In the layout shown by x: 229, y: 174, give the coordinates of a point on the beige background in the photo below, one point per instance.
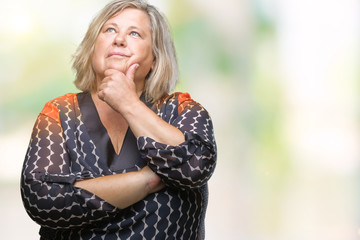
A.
x: 280, y: 79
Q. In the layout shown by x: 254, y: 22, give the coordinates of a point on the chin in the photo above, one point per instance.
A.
x: 119, y: 65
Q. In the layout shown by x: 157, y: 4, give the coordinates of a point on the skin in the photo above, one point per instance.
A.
x: 122, y: 58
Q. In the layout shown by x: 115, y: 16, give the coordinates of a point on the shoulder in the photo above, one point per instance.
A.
x: 178, y: 101
x: 69, y: 97
x: 177, y: 97
x: 52, y: 107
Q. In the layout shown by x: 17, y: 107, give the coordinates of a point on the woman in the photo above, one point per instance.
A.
x: 123, y: 159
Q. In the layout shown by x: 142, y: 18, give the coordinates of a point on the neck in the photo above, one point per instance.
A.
x: 139, y: 87
x: 102, y: 106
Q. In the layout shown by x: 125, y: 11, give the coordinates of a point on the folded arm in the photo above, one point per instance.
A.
x: 135, y: 185
x: 178, y: 142
x: 57, y: 198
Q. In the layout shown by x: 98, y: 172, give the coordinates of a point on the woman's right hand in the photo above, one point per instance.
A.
x: 153, y: 181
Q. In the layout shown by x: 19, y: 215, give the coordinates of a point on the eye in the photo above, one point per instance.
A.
x: 110, y: 30
x: 134, y: 34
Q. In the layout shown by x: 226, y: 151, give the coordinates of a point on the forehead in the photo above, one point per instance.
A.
x: 130, y: 16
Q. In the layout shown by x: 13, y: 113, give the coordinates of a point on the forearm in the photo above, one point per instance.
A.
x: 190, y: 164
x: 119, y: 92
x: 144, y: 122
x: 123, y: 190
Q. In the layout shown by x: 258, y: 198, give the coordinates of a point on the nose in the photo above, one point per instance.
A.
x: 120, y: 40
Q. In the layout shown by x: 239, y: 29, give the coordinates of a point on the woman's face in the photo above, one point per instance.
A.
x: 125, y: 39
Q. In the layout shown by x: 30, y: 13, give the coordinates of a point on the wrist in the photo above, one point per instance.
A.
x: 131, y: 108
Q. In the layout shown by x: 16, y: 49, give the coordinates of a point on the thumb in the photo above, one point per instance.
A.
x: 130, y: 73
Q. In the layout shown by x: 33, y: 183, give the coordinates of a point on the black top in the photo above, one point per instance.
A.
x: 69, y: 143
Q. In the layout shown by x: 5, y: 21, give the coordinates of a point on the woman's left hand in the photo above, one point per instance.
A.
x: 118, y: 90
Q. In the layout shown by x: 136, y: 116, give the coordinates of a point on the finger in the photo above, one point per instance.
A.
x: 130, y: 73
x: 101, y: 95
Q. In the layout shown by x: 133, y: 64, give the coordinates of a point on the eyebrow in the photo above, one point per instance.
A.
x: 115, y: 25
x: 112, y: 24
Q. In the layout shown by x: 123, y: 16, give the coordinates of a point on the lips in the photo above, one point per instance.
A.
x: 118, y: 54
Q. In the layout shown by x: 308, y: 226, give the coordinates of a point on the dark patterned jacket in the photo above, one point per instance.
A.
x: 62, y: 151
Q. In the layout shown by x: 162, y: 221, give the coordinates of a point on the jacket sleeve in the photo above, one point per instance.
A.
x: 190, y: 164
x: 47, y: 189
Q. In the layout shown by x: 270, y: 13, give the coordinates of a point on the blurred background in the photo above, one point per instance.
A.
x: 280, y: 79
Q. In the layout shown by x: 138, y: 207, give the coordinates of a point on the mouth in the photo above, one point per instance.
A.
x: 117, y: 54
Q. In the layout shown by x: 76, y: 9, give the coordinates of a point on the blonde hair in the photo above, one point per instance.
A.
x: 164, y: 75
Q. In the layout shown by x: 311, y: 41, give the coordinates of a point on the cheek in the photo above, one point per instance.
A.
x: 95, y: 61
x: 97, y: 53
x: 97, y: 49
x: 100, y: 46
x: 148, y: 56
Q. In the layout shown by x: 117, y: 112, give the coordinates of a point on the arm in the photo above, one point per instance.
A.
x: 118, y: 90
x: 47, y: 189
x: 179, y: 146
x: 191, y: 163
x: 136, y: 185
x: 47, y: 184
x: 144, y: 122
